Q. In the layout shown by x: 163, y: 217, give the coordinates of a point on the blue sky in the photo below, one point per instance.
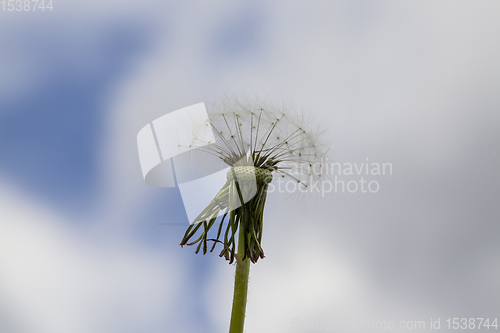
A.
x: 87, y: 246
x: 50, y: 134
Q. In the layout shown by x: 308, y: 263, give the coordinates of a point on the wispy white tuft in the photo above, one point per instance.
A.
x: 277, y: 137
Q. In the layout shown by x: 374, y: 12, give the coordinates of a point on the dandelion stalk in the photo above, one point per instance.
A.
x: 240, y: 289
x: 255, y: 142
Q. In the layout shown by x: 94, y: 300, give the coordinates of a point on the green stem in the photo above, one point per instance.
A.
x: 240, y: 286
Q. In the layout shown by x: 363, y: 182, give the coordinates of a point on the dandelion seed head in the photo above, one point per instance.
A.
x: 275, y: 137
x: 262, y: 141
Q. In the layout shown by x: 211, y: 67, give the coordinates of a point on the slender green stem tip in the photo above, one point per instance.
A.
x: 240, y: 288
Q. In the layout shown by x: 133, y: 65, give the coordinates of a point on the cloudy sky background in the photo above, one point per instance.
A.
x: 87, y: 246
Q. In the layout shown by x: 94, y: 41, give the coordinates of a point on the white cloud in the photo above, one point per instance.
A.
x: 56, y: 278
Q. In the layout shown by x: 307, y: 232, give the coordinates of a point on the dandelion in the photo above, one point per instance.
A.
x: 258, y: 141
